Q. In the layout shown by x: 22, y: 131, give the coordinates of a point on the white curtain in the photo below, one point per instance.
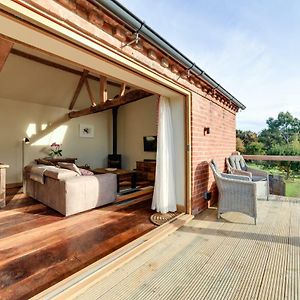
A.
x: 164, y: 197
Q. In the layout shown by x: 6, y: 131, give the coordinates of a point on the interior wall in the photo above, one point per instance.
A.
x: 136, y: 120
x: 139, y: 119
x: 18, y: 119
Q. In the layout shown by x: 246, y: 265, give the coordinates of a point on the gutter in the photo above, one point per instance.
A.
x: 123, y: 14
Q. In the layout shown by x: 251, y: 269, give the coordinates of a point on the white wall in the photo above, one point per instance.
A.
x: 15, y: 119
x: 136, y: 120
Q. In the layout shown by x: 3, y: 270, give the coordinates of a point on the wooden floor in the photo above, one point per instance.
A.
x: 39, y: 247
x: 208, y: 258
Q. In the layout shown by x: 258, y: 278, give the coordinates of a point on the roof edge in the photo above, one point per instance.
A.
x: 125, y: 15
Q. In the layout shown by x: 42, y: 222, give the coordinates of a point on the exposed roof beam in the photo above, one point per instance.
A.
x: 56, y: 65
x: 78, y: 88
x: 103, y: 89
x: 129, y: 97
x: 123, y: 89
x: 89, y: 92
x: 5, y: 48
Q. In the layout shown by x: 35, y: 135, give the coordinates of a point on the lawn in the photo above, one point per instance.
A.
x: 292, y: 188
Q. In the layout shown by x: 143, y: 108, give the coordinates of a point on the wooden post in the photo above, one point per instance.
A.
x: 90, y: 92
x: 3, y: 184
x: 5, y: 47
x: 103, y: 89
x: 78, y: 88
x: 123, y: 89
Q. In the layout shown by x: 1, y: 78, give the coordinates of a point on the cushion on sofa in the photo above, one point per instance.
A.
x: 42, y: 161
x: 69, y: 166
x: 59, y: 173
x: 85, y: 172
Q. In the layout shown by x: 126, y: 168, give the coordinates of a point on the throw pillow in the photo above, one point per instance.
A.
x: 42, y: 161
x: 85, y: 172
x: 69, y: 166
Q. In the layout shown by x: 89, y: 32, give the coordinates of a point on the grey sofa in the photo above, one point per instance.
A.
x: 236, y: 193
x: 67, y: 192
x: 236, y: 165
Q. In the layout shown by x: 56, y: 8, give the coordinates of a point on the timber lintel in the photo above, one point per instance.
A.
x: 129, y: 97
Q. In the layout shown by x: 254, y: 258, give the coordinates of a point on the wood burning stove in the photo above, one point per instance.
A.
x: 114, y: 160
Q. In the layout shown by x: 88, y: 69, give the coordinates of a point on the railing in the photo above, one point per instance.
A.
x: 272, y: 157
x: 282, y: 182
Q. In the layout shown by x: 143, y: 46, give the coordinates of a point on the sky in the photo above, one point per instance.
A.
x: 252, y: 48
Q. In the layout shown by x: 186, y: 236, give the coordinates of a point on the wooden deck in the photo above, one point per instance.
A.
x: 39, y: 247
x: 208, y: 258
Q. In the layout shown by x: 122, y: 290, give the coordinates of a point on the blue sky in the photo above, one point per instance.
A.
x: 251, y: 47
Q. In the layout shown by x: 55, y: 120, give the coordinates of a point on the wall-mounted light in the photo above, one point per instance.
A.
x: 206, y: 130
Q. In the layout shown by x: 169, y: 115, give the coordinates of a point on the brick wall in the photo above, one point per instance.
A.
x: 216, y: 145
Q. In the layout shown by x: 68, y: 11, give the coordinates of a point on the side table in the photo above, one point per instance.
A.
x: 3, y: 168
x: 121, y: 173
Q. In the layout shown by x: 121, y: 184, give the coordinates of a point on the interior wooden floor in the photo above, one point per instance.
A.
x: 39, y: 247
x: 207, y: 258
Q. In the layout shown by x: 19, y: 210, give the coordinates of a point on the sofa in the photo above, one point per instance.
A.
x: 66, y: 191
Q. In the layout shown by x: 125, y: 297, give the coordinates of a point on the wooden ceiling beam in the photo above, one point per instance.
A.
x: 90, y: 92
x: 123, y: 89
x: 103, y: 89
x: 5, y: 48
x: 57, y: 66
x: 78, y: 88
x: 129, y: 97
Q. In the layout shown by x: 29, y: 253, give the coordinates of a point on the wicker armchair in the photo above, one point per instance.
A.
x: 237, y: 165
x: 236, y: 193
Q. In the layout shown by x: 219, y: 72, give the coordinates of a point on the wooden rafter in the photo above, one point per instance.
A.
x: 5, y: 48
x: 103, y: 89
x: 78, y: 88
x: 89, y: 92
x: 123, y: 89
x: 129, y: 97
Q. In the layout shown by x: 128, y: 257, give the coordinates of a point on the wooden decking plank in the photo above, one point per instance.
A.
x: 228, y: 261
x: 176, y: 264
x: 274, y: 275
x: 292, y: 290
x: 141, y: 269
x: 254, y: 273
x: 232, y: 273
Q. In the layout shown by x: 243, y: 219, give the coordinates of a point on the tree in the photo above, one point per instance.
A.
x: 280, y: 131
x: 292, y: 149
x: 255, y: 148
x: 240, y: 145
x: 247, y: 136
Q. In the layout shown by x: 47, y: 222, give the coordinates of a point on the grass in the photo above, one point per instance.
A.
x: 292, y: 187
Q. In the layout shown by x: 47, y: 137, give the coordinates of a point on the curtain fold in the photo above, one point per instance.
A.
x: 164, y: 197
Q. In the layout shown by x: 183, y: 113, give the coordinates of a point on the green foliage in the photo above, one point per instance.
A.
x: 247, y: 136
x: 290, y: 149
x: 281, y: 137
x: 255, y: 148
x: 240, y: 145
x: 280, y: 131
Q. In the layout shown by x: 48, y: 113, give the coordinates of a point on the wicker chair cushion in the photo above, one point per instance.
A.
x: 237, y: 162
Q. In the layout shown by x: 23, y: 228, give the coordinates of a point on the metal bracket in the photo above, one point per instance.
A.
x: 189, y: 69
x: 136, y: 37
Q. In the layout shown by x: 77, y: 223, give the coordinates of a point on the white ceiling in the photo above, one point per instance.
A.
x: 23, y: 79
